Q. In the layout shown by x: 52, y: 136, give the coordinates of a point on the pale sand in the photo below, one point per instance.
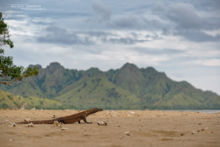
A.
x: 125, y: 128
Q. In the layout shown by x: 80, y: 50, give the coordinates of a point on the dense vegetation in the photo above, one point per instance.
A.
x: 9, y: 101
x: 126, y: 88
x: 8, y: 71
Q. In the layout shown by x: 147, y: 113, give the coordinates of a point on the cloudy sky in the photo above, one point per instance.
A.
x: 180, y: 38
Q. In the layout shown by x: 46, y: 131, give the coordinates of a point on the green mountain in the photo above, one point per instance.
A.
x: 129, y: 87
x: 97, y: 91
x: 10, y: 101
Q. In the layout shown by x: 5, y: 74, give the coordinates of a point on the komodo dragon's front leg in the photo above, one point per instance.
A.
x: 84, y: 119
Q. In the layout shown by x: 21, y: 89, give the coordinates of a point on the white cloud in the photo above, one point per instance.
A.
x: 168, y: 35
x: 26, y: 7
x: 209, y: 62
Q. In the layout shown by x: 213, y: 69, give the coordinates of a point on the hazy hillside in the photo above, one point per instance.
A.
x: 98, y: 92
x: 10, y: 101
x: 129, y: 87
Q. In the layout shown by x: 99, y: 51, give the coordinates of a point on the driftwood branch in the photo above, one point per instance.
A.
x: 66, y: 119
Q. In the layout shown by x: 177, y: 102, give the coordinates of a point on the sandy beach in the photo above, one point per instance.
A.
x: 124, y: 128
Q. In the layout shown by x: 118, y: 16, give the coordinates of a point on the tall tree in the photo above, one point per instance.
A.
x: 8, y: 71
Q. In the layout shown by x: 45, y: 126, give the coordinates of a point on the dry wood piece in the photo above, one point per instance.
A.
x: 12, y: 124
x: 66, y: 119
x: 54, y: 116
x: 128, y: 133
x: 57, y: 124
x: 30, y: 125
x: 63, y: 129
x: 102, y: 123
x: 27, y: 120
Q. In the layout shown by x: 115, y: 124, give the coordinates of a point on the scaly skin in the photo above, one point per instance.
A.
x: 66, y: 119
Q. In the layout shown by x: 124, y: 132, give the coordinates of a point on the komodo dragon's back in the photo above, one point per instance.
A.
x: 66, y: 119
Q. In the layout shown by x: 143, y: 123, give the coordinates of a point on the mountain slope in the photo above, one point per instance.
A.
x: 11, y: 101
x: 128, y: 87
x: 48, y: 83
x: 129, y: 77
x: 98, y: 92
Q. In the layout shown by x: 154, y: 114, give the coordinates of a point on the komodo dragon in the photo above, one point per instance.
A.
x: 66, y: 119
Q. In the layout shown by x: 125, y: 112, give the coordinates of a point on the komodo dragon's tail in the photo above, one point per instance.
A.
x: 37, y: 122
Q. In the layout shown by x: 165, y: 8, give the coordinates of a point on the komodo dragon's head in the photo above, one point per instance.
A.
x: 93, y: 110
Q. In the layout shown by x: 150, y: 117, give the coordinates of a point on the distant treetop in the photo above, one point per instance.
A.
x: 8, y: 71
